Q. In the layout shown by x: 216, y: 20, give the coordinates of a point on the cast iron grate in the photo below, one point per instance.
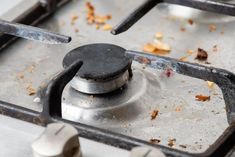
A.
x: 206, y: 5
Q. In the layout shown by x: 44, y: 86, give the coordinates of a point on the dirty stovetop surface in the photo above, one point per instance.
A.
x: 26, y: 65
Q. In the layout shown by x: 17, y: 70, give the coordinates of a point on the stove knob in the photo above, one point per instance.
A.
x: 146, y: 152
x: 58, y: 140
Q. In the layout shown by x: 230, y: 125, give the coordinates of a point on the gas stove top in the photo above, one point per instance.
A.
x: 113, y: 94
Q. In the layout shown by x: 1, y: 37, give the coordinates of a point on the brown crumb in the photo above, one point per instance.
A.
x: 202, y: 98
x: 190, y: 52
x: 183, y: 146
x: 143, y: 60
x: 30, y: 90
x: 20, y: 75
x: 154, y: 141
x: 177, y: 109
x: 215, y: 48
x: 156, y: 49
x: 171, y: 142
x: 184, y: 59
x: 73, y: 19
x: 154, y: 114
x: 31, y: 68
x: 159, y: 35
x: 212, y: 27
x: 149, y: 48
x: 90, y: 6
x: 108, y: 17
x: 182, y: 29
x: 76, y: 30
x: 97, y: 26
x: 90, y: 21
x: 162, y: 46
x: 201, y: 55
x: 222, y: 32
x: 100, y: 20
x: 190, y: 21
x: 97, y: 20
x: 90, y: 13
x: 107, y: 27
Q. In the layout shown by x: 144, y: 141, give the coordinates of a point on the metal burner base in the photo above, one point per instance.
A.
x: 177, y: 11
x: 125, y: 104
x: 99, y: 87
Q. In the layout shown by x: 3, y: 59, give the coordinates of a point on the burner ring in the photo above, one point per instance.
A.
x: 105, y: 68
x: 99, y: 87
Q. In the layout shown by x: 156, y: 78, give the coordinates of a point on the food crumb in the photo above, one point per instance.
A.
x: 30, y: 90
x: 143, y: 60
x: 190, y: 21
x: 20, y: 75
x: 108, y: 17
x: 212, y: 27
x: 154, y: 114
x: 90, y: 13
x: 171, y: 142
x: 98, y: 20
x: 154, y: 141
x: 215, y: 48
x: 73, y: 19
x: 149, y: 48
x: 210, y: 84
x: 160, y: 48
x: 31, y: 68
x: 182, y: 29
x: 202, y: 98
x: 183, y: 146
x: 76, y: 30
x: 159, y: 35
x: 201, y: 55
x: 97, y: 26
x: 184, y: 59
x: 190, y: 52
x: 177, y: 109
x: 107, y: 27
x: 157, y: 46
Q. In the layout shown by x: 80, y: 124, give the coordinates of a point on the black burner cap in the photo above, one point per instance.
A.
x: 100, y: 61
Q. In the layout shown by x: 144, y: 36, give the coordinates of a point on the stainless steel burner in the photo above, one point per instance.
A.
x: 99, y: 87
x: 110, y: 110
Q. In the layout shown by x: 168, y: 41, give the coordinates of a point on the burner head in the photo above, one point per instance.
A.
x: 105, y: 68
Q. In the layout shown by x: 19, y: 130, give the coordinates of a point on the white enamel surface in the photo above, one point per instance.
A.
x: 16, y: 138
x: 6, y: 5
